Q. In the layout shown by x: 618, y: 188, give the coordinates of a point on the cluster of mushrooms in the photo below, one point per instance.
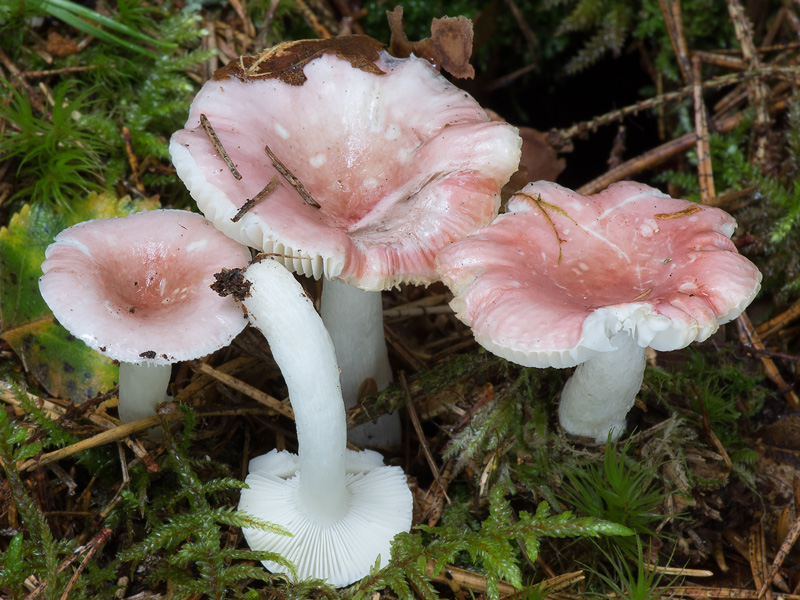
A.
x: 373, y: 171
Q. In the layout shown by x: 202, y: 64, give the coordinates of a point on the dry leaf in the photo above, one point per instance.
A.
x: 539, y: 159
x: 448, y: 48
x: 287, y: 61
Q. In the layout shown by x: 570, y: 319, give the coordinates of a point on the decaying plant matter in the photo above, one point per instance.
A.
x: 698, y: 499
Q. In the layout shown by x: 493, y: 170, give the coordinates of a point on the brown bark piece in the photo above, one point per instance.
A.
x: 287, y: 61
x: 449, y: 47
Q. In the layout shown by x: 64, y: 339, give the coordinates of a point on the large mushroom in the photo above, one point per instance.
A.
x: 342, y: 507
x: 565, y: 280
x: 137, y: 290
x: 394, y: 163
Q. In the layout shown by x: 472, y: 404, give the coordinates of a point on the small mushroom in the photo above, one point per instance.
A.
x: 565, y: 280
x: 398, y: 163
x: 137, y: 290
x: 342, y: 507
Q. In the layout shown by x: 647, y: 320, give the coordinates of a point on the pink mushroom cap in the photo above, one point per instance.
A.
x: 401, y: 163
x: 550, y: 282
x: 137, y: 289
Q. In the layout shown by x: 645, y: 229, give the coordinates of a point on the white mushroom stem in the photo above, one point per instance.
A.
x: 354, y: 320
x: 342, y: 507
x: 303, y: 350
x: 598, y: 396
x: 142, y: 387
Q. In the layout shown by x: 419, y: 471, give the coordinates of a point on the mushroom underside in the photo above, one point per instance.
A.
x: 343, y: 551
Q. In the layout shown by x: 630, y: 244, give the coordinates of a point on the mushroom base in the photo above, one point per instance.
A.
x: 142, y: 387
x: 354, y: 320
x: 598, y: 396
x: 341, y: 552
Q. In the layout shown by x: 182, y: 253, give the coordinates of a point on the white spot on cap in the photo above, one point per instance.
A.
x: 392, y: 132
x: 648, y: 228
x: 281, y: 130
x: 406, y: 154
x: 370, y: 183
x: 318, y: 160
x: 583, y: 266
x: 198, y: 245
x: 110, y: 308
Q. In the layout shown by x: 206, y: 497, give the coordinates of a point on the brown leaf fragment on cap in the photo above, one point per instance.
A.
x: 448, y: 48
x: 681, y: 213
x: 287, y: 61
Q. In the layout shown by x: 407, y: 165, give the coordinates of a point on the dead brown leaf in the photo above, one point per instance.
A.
x: 59, y: 45
x: 286, y: 61
x: 448, y: 48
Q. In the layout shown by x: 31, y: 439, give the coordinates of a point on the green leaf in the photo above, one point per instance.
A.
x: 86, y: 27
x: 64, y: 365
x: 27, y: 451
x: 81, y: 11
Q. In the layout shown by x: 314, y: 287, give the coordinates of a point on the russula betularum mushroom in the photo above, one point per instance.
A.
x: 342, y: 507
x: 397, y: 161
x: 564, y: 280
x: 137, y: 290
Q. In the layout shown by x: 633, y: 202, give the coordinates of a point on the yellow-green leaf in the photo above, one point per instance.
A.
x: 62, y: 364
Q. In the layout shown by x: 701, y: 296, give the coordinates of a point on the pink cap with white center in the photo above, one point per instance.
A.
x: 137, y: 289
x: 551, y: 282
x: 400, y: 161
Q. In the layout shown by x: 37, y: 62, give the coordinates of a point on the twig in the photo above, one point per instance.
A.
x: 249, y: 28
x: 87, y: 550
x: 660, y: 154
x: 293, y: 181
x: 9, y: 395
x: 721, y: 60
x: 748, y: 335
x: 705, y: 173
x: 252, y: 201
x: 781, y: 555
x: 63, y: 71
x: 507, y: 79
x: 320, y: 30
x: 132, y: 160
x: 212, y: 135
x: 777, y: 323
x: 671, y: 11
x: 210, y: 43
x: 399, y: 347
x: 757, y: 558
x: 116, y: 434
x: 717, y: 592
x: 34, y: 99
x: 271, y: 402
x: 423, y: 441
x: 560, y: 136
x: 757, y: 91
x: 434, y: 507
x: 419, y: 311
x: 527, y: 32
x: 761, y: 352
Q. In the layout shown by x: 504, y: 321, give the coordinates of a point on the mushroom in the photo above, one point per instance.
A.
x: 394, y: 163
x: 564, y: 280
x: 342, y: 507
x: 136, y: 290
